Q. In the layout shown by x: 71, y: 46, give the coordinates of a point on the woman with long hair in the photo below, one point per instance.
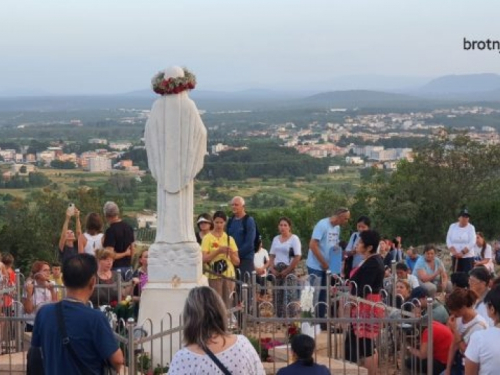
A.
x: 220, y: 253
x: 208, y: 346
x: 483, y: 253
x: 366, y: 282
x: 92, y: 239
x: 140, y: 279
x: 284, y: 257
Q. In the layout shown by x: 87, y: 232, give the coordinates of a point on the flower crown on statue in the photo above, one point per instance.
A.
x: 172, y: 85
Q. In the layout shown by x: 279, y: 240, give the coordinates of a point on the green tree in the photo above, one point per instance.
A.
x: 420, y: 199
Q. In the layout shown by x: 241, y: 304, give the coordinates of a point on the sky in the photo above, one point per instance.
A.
x: 114, y: 46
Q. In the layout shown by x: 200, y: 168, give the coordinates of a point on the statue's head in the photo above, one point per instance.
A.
x: 173, y: 72
x: 173, y: 80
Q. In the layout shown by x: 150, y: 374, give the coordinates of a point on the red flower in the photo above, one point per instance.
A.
x: 113, y: 304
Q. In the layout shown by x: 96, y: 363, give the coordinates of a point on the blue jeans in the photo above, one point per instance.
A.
x: 321, y: 308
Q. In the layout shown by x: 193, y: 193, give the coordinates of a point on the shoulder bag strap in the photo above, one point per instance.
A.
x: 219, y: 364
x: 66, y: 341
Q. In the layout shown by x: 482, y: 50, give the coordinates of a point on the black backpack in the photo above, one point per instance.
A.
x: 257, y: 239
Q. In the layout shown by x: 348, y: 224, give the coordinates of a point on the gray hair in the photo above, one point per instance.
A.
x: 111, y: 209
x: 238, y: 198
x: 340, y: 211
x: 204, y: 315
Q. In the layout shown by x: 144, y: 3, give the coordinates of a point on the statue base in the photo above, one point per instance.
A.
x: 175, y: 262
x: 161, y: 310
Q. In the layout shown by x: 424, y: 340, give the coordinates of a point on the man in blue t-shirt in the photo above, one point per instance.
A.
x: 88, y: 330
x: 243, y: 231
x: 325, y: 252
x: 411, y: 258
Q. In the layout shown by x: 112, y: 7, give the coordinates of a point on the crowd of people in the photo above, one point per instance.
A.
x: 464, y: 301
x: 366, y: 260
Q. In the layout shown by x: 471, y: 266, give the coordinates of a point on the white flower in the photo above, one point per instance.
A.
x: 307, y: 299
x: 128, y: 299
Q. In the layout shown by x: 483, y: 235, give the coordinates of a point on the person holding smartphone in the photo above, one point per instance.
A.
x: 67, y: 241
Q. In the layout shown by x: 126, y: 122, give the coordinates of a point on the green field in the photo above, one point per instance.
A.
x: 209, y: 195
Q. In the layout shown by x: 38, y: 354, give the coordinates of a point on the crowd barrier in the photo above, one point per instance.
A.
x: 269, y: 329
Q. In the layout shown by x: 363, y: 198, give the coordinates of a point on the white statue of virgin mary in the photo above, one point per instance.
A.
x: 176, y: 144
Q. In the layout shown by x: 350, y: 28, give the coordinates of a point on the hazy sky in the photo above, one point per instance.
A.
x: 108, y: 46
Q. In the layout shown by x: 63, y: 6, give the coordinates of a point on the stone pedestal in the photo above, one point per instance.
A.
x: 173, y: 270
x: 160, y: 311
x: 175, y: 261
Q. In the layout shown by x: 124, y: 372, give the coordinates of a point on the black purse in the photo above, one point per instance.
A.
x: 35, y: 361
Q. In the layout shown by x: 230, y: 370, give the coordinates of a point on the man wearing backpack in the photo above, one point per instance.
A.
x: 71, y: 337
x: 244, y: 231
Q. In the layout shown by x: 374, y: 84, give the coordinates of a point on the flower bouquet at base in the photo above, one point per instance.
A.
x: 118, y: 313
x: 307, y: 311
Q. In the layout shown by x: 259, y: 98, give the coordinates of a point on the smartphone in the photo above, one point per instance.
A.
x: 71, y: 209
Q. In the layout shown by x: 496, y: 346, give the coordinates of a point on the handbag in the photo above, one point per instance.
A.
x: 220, y: 266
x: 35, y: 361
x: 84, y: 370
x: 219, y: 364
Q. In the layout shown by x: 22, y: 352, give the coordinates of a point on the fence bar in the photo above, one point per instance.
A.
x: 119, y: 284
x: 245, y: 309
x: 131, y: 346
x: 19, y: 310
x: 394, y: 277
x: 430, y: 344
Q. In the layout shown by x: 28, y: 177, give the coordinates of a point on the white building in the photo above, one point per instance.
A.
x: 99, y: 164
x: 16, y: 169
x: 46, y: 157
x: 98, y: 141
x: 120, y: 146
x: 333, y: 168
x: 218, y: 148
x: 354, y: 160
x: 8, y: 154
x: 19, y: 158
x: 146, y: 220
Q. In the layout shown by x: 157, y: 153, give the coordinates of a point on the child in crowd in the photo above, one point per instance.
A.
x: 302, y: 352
x: 56, y: 277
x: 261, y: 263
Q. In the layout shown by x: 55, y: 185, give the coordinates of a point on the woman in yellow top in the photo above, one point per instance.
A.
x: 221, y: 254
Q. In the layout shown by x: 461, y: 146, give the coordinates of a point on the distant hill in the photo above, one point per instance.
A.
x: 362, y: 98
x: 459, y: 84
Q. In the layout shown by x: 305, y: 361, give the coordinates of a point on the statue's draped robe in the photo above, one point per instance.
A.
x: 176, y: 144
